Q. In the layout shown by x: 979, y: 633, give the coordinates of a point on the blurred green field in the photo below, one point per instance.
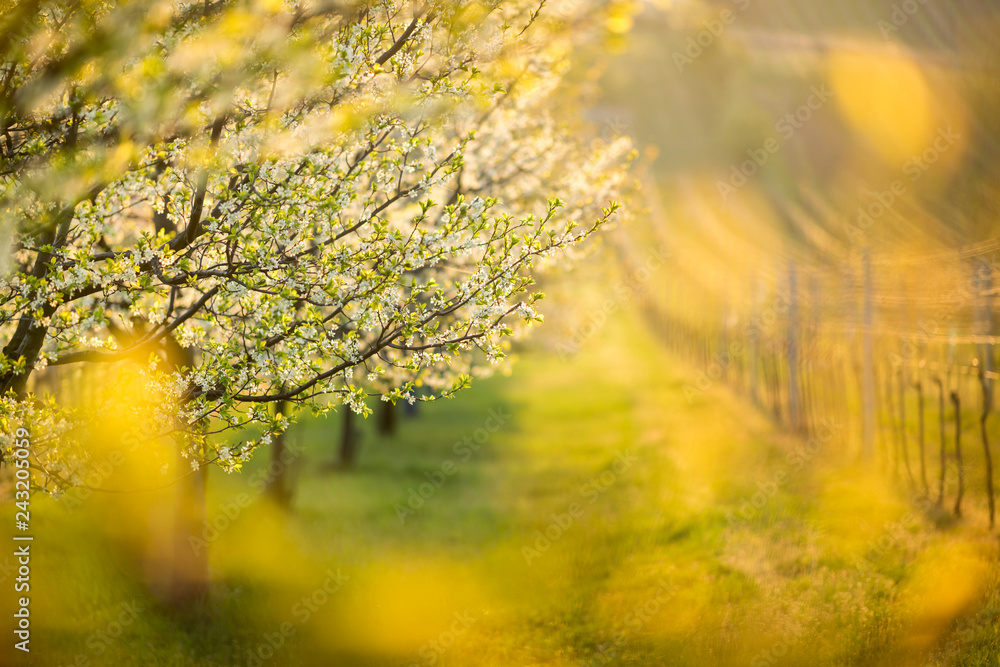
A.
x: 679, y: 533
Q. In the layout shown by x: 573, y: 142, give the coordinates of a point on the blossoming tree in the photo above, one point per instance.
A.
x: 277, y: 202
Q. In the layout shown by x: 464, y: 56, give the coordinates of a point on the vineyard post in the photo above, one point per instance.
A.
x: 867, y: 363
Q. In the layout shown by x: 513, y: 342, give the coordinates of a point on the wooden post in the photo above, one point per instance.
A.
x: 890, y: 408
x: 918, y: 385
x: 985, y: 283
x: 816, y: 393
x: 886, y: 432
x: 944, y: 462
x: 958, y: 451
x: 904, y: 444
x: 986, y: 370
x: 867, y: 364
x: 754, y: 356
x: 776, y: 378
x: 842, y: 406
x: 986, y: 442
x: 794, y: 403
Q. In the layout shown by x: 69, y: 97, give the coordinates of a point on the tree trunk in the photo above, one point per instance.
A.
x: 280, y: 486
x: 411, y: 409
x: 189, y: 576
x: 188, y: 580
x: 348, y: 441
x: 386, y: 419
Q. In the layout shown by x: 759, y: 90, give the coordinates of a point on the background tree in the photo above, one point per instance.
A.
x: 277, y: 202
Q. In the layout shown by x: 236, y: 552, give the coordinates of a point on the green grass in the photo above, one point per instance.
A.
x: 653, y: 563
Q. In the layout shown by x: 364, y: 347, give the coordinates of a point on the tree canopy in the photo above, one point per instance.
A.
x: 254, y: 202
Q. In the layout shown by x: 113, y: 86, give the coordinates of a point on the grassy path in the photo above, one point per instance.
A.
x: 578, y: 513
x: 611, y: 520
